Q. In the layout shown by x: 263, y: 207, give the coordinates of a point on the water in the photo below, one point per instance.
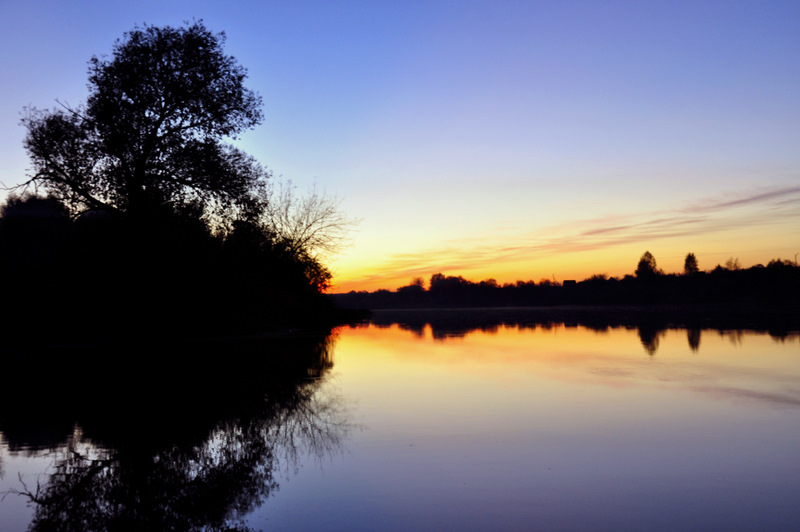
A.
x: 410, y: 427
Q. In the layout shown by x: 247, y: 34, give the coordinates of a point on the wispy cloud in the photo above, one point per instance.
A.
x: 761, y: 207
x: 786, y: 195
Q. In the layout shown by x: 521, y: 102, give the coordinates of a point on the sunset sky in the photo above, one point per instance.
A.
x: 503, y: 139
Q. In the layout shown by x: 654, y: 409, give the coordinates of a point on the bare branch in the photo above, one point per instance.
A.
x: 313, y: 224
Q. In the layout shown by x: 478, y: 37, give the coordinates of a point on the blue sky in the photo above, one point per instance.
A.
x: 515, y: 140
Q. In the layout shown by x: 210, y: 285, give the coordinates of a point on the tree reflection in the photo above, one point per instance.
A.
x: 649, y: 335
x: 128, y: 470
x: 650, y: 324
x: 693, y: 336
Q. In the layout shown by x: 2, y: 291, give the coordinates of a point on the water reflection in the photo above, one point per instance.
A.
x: 693, y: 336
x: 649, y: 334
x: 651, y: 326
x: 561, y: 427
x: 511, y: 425
x: 162, y: 444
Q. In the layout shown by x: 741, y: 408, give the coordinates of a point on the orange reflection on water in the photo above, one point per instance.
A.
x: 564, y: 428
x: 566, y: 369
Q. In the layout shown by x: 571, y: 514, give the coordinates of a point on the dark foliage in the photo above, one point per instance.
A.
x: 151, y: 131
x: 152, y: 223
x: 770, y: 293
x: 690, y: 266
x: 647, y: 269
x: 99, y: 275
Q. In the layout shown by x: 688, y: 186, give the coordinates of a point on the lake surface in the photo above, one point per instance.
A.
x: 412, y: 426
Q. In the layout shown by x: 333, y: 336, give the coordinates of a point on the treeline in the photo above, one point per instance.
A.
x: 776, y: 285
x: 99, y: 275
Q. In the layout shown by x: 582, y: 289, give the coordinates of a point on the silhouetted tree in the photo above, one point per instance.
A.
x: 690, y: 265
x: 312, y: 223
x: 165, y: 213
x: 647, y: 266
x: 732, y: 264
x: 766, y: 288
x: 311, y: 227
x: 31, y: 227
x: 27, y: 207
x: 151, y: 132
x: 35, y: 233
x: 416, y: 286
x: 436, y: 280
x: 442, y: 283
x: 780, y: 264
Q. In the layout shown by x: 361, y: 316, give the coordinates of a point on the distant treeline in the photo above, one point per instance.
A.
x: 776, y: 285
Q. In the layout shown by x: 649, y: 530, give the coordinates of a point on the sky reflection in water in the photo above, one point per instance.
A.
x: 559, y: 428
x: 556, y: 427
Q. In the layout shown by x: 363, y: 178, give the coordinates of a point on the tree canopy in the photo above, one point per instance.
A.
x: 690, y: 266
x: 151, y: 133
x: 138, y: 199
x: 647, y: 266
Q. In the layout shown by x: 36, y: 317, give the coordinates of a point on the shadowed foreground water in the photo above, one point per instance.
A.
x: 419, y: 427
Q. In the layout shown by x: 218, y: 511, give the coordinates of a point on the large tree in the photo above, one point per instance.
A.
x: 646, y: 268
x: 152, y: 132
x: 161, y: 211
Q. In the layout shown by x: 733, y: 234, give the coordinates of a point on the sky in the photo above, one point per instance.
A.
x: 513, y: 140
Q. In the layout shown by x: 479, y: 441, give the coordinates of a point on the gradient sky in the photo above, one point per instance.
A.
x: 503, y: 139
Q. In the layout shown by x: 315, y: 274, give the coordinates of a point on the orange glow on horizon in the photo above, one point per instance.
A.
x: 612, y: 265
x: 714, y: 229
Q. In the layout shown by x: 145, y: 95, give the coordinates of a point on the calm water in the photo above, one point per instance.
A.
x: 416, y: 428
